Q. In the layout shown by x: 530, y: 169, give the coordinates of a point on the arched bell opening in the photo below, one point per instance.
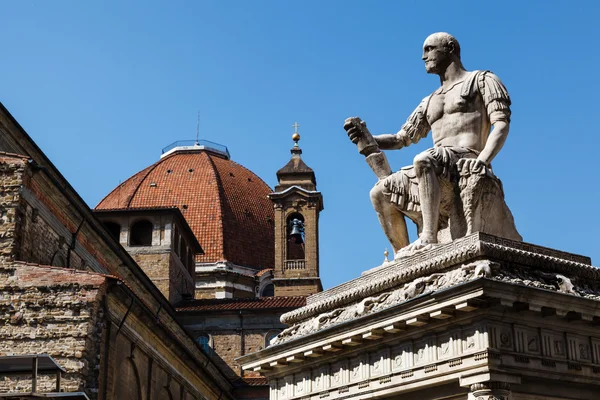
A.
x: 295, y: 237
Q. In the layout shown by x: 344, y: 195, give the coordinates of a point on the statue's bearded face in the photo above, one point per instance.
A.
x: 437, y: 57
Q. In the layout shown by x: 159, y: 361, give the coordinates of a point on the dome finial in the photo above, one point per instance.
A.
x: 296, y: 135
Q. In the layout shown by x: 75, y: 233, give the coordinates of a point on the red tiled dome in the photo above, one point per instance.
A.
x: 224, y: 203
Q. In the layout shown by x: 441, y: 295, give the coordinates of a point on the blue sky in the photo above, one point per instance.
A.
x: 103, y: 86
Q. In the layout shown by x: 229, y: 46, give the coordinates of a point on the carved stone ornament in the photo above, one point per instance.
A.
x: 424, y: 278
x: 491, y: 391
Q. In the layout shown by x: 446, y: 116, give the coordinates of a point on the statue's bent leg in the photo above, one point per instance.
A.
x: 429, y: 195
x: 391, y: 219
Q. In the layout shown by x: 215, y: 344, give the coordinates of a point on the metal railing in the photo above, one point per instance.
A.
x: 294, y: 264
x: 200, y: 144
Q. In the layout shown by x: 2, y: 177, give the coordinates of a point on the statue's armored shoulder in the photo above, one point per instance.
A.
x: 416, y: 126
x: 492, y: 91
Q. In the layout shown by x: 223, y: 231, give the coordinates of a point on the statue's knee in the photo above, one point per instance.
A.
x: 376, y: 194
x: 422, y: 162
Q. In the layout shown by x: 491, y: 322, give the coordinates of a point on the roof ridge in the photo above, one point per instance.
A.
x: 149, y: 171
x: 221, y: 196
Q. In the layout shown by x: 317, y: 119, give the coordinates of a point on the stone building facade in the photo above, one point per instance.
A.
x: 481, y: 318
x: 161, y: 242
x: 70, y: 290
x: 152, y: 295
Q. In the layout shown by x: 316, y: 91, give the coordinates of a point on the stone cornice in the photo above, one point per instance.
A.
x: 438, y: 259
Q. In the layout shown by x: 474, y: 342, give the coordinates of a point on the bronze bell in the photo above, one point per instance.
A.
x: 297, y: 232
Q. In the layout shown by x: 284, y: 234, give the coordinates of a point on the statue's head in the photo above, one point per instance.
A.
x: 440, y: 50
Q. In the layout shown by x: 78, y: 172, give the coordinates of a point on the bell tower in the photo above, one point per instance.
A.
x: 297, y: 205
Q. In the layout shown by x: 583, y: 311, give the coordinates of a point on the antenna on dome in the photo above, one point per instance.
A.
x: 198, y: 130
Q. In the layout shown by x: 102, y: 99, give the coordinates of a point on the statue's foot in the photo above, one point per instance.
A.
x: 418, y: 245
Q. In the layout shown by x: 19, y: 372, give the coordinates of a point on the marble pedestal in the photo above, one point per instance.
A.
x: 478, y: 318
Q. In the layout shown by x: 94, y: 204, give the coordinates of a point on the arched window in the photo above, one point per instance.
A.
x: 269, y: 336
x: 114, y: 230
x: 295, y: 237
x: 141, y: 234
x: 268, y: 291
x: 203, y: 340
x: 127, y: 385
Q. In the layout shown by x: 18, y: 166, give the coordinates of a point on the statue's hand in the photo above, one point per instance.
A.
x: 471, y: 166
x: 353, y: 127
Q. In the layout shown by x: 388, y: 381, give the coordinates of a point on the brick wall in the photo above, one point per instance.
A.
x: 52, y: 311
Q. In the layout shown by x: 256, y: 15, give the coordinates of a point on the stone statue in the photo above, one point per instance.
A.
x: 450, y: 190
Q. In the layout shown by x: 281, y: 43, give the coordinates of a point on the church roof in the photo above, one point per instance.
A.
x: 242, y: 304
x: 224, y: 203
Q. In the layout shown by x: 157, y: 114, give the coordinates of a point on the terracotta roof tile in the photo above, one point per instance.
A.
x: 242, y: 304
x: 263, y: 271
x: 259, y: 381
x: 225, y: 204
x: 14, y: 155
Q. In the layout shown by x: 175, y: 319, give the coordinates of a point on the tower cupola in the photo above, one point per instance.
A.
x: 297, y: 205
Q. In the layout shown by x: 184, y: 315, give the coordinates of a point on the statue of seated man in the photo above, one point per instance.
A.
x: 469, y: 118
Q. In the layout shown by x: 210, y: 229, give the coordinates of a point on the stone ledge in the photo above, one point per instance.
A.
x: 440, y: 258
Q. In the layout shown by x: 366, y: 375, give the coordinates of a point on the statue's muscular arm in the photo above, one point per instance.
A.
x: 494, y: 142
x: 497, y: 103
x: 415, y: 128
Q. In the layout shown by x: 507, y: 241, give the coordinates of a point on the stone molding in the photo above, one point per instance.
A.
x: 438, y: 357
x: 437, y: 260
x: 582, y: 281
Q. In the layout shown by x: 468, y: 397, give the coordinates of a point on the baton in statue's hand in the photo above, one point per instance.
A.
x: 367, y: 146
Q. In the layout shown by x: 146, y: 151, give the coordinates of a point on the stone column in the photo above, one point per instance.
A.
x: 491, y: 391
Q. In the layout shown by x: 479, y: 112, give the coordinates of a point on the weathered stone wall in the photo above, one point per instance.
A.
x: 228, y: 345
x: 52, y: 311
x: 181, y: 283
x: 41, y: 244
x: 167, y: 272
x: 142, y: 362
x: 13, y: 172
x: 156, y: 266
